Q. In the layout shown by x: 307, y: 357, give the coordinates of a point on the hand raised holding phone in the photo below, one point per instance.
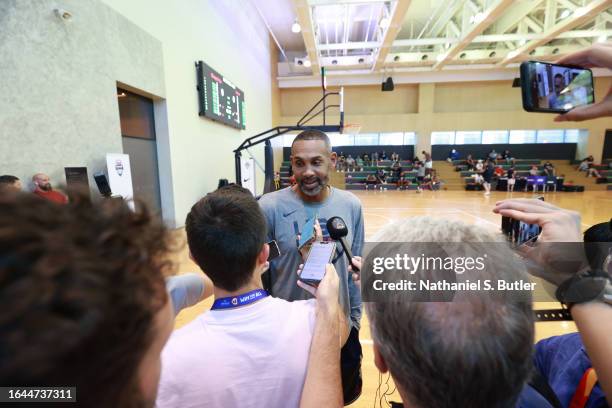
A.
x: 596, y: 56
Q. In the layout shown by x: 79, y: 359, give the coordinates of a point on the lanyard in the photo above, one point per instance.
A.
x: 240, y: 300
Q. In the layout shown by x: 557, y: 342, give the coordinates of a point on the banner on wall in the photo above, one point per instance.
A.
x: 120, y: 176
x: 248, y: 174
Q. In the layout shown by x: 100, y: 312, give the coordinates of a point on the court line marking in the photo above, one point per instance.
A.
x: 379, y: 215
x: 410, y: 208
x: 481, y: 219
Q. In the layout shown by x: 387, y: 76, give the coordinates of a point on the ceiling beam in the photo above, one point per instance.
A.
x: 397, y: 18
x: 446, y: 16
x: 550, y: 14
x: 588, y: 12
x: 490, y: 16
x: 518, y: 11
x: 335, y: 2
x: 304, y: 18
x: 490, y: 38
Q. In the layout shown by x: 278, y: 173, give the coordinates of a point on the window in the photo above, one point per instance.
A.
x: 410, y: 138
x: 550, y: 136
x: 494, y: 136
x: 571, y: 135
x: 442, y: 138
x: 522, y: 136
x: 366, y: 139
x: 468, y: 137
x: 339, y: 139
x: 391, y: 138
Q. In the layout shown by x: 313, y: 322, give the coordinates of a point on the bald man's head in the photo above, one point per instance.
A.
x: 42, y: 181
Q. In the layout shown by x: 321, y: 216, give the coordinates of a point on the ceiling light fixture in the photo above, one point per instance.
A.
x: 513, y: 54
x: 440, y: 57
x: 566, y: 13
x: 602, y: 38
x: 522, y: 42
x: 307, y: 63
x: 477, y: 18
x: 296, y: 27
x: 384, y: 22
x: 580, y: 11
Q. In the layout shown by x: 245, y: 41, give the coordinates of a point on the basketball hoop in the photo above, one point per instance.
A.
x: 351, y: 129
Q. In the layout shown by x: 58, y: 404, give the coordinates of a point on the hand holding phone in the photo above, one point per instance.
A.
x: 321, y: 254
x: 597, y: 55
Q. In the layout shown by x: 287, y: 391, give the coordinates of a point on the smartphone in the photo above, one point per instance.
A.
x: 555, y: 88
x: 321, y: 253
x: 520, y: 233
x: 307, y: 231
x: 274, y: 250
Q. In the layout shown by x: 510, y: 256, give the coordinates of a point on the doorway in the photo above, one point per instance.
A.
x: 139, y: 142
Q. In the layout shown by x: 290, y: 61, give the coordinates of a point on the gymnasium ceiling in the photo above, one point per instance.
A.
x: 361, y: 41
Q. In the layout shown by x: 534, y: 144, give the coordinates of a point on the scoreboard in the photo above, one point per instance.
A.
x: 218, y: 98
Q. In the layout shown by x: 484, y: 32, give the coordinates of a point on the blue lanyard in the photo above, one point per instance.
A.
x: 240, y: 300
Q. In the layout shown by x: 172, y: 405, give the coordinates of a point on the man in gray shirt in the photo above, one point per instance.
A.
x: 287, y: 212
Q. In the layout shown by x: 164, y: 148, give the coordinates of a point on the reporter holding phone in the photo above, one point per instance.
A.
x: 250, y: 349
x: 591, y: 311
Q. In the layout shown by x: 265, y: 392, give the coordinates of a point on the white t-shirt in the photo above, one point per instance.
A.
x: 252, y: 356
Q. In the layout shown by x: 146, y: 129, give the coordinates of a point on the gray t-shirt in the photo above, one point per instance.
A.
x: 286, y: 214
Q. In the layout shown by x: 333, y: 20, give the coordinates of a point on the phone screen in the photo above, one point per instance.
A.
x: 519, y: 232
x: 555, y: 88
x: 527, y: 233
x: 307, y: 231
x: 320, y: 255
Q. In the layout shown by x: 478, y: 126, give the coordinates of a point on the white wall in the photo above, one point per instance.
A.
x: 228, y: 36
x: 58, y: 84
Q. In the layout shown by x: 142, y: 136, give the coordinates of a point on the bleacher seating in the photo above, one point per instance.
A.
x: 356, y: 180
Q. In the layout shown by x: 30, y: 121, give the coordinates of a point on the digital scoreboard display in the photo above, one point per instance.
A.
x: 218, y: 98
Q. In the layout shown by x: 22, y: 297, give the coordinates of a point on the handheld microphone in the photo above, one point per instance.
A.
x: 336, y: 227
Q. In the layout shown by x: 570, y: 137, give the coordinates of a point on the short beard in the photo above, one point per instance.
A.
x: 46, y: 187
x: 316, y: 191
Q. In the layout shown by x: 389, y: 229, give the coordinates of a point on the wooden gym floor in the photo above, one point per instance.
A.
x: 380, y: 208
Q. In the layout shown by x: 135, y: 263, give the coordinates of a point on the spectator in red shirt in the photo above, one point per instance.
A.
x: 44, y: 189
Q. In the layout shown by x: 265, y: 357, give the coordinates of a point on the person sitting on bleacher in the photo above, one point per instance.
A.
x: 371, y: 180
x: 533, y: 171
x: 366, y: 159
x: 350, y: 163
x: 381, y: 175
x: 592, y: 171
x: 584, y: 164
x: 358, y: 163
x: 396, y: 168
x: 453, y: 155
x: 549, y: 169
x: 341, y: 165
x: 479, y: 166
x: 404, y: 180
x: 374, y: 158
x: 507, y: 156
x: 493, y: 156
x: 383, y: 155
x: 395, y: 157
x: 470, y: 162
